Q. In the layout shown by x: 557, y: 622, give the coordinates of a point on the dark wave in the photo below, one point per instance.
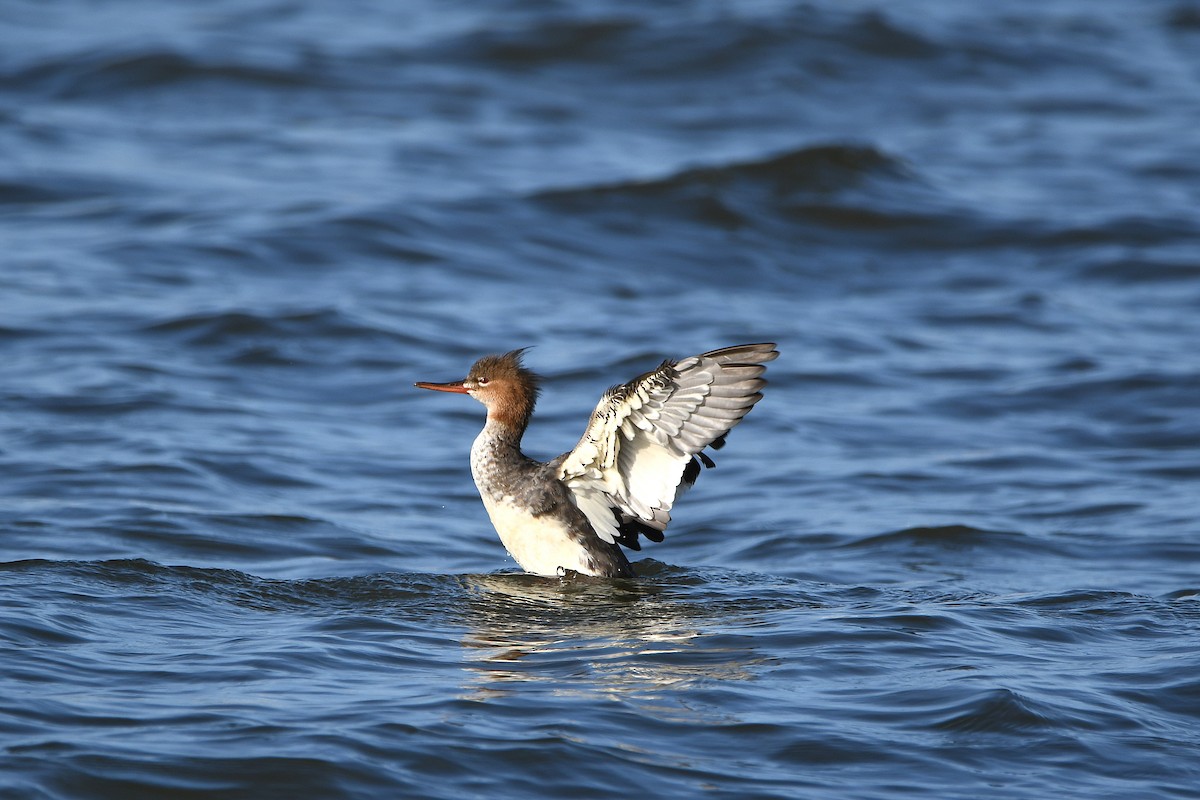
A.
x: 1091, y: 604
x: 237, y: 587
x: 818, y: 168
x: 1122, y: 231
x: 1184, y: 17
x: 816, y: 41
x: 547, y: 40
x: 26, y: 193
x: 115, y: 399
x: 385, y: 236
x: 250, y: 328
x: 100, y: 74
x: 951, y: 537
x: 809, y: 184
x: 1120, y: 398
x: 218, y: 327
x: 49, y: 187
x: 11, y: 333
x: 1128, y: 270
x: 1000, y: 711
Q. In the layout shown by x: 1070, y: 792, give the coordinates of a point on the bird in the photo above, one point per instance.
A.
x: 642, y: 448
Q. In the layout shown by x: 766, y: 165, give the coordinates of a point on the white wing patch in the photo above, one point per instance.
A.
x: 630, y: 463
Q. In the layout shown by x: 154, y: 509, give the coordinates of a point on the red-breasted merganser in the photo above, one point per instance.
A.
x: 641, y: 450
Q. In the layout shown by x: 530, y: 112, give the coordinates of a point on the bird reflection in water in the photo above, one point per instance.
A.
x: 593, y: 636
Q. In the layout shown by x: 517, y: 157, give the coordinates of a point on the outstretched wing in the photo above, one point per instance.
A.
x: 639, y: 450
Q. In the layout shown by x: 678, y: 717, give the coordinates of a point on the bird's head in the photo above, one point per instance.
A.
x: 505, y: 386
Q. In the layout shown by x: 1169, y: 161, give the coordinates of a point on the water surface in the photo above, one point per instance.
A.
x: 952, y: 553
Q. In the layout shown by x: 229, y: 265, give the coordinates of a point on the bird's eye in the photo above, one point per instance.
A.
x: 482, y: 381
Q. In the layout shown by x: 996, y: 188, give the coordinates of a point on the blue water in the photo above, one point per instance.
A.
x: 955, y: 551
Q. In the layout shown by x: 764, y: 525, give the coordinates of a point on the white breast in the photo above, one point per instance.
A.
x: 539, y: 544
